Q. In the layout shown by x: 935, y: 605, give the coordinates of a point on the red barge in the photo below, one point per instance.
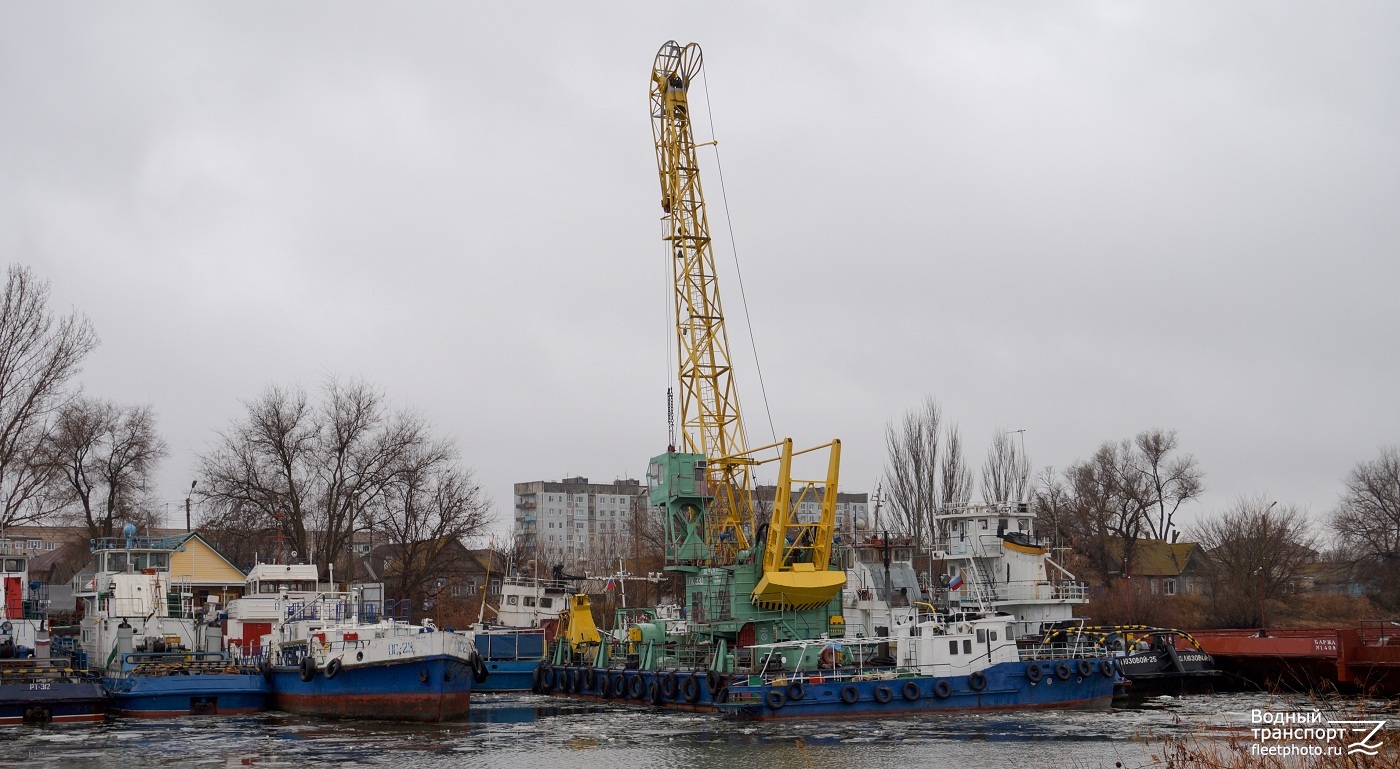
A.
x: 1364, y: 658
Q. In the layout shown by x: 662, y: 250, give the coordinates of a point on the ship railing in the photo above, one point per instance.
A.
x: 1035, y: 650
x: 1379, y: 632
x: 1041, y: 590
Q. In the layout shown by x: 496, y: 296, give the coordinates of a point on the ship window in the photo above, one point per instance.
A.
x: 993, y: 634
x: 546, y: 602
x: 952, y: 647
x: 981, y: 636
x: 529, y: 600
x: 14, y: 564
x: 984, y: 524
x: 967, y: 646
x: 116, y: 562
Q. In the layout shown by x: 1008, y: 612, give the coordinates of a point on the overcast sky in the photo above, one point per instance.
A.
x: 1078, y: 219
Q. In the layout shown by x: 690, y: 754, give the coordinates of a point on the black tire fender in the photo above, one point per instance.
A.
x: 796, y: 691
x: 849, y: 694
x: 1086, y: 668
x: 911, y: 691
x: 1106, y: 667
x: 977, y: 681
x: 308, y: 668
x: 775, y: 699
x: 690, y: 690
x: 333, y: 668
x: 1034, y: 672
x: 1062, y: 670
x: 883, y: 694
x: 942, y: 690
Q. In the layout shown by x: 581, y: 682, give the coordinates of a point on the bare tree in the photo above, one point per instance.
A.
x: 1125, y: 492
x: 107, y: 454
x: 1366, y: 521
x: 956, y: 481
x: 1006, y: 473
x: 1255, y: 549
x: 39, y: 354
x: 911, y: 472
x: 312, y: 472
x: 430, y: 507
x: 1175, y: 478
x: 1053, y: 505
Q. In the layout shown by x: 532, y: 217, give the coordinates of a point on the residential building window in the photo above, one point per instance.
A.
x: 495, y: 587
x: 35, y: 544
x: 1169, y: 586
x: 49, y: 545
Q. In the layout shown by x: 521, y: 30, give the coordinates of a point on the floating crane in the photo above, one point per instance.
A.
x: 707, y: 486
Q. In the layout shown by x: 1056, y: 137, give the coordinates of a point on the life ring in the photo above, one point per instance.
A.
x: 690, y: 690
x: 547, y: 678
x: 1086, y: 668
x: 796, y: 691
x: 713, y: 681
x: 669, y: 686
x: 637, y: 687
x: 829, y: 656
x: 911, y: 691
x: 849, y: 694
x: 977, y: 681
x: 308, y: 668
x: 1062, y: 670
x: 1106, y: 668
x: 942, y: 690
x: 590, y: 679
x: 333, y: 668
x: 1034, y: 673
x: 775, y: 699
x: 883, y: 694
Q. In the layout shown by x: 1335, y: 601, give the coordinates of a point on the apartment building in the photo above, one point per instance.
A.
x: 575, y: 522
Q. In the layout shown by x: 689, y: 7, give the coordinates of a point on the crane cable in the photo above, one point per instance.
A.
x: 734, y: 249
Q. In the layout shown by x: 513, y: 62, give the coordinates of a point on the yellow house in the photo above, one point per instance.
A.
x: 197, y: 568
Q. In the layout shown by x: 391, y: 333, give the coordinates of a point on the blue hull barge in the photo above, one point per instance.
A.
x: 185, y: 684
x: 511, y: 658
x: 427, y: 688
x: 44, y: 691
x: 1088, y: 683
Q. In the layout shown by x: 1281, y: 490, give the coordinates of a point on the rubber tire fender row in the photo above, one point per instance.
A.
x: 1034, y: 672
x: 883, y: 694
x: 977, y: 681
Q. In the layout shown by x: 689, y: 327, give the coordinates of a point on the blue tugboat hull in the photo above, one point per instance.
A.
x: 432, y: 688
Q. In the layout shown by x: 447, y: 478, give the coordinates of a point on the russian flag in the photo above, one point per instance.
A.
x: 612, y: 583
x: 956, y: 583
